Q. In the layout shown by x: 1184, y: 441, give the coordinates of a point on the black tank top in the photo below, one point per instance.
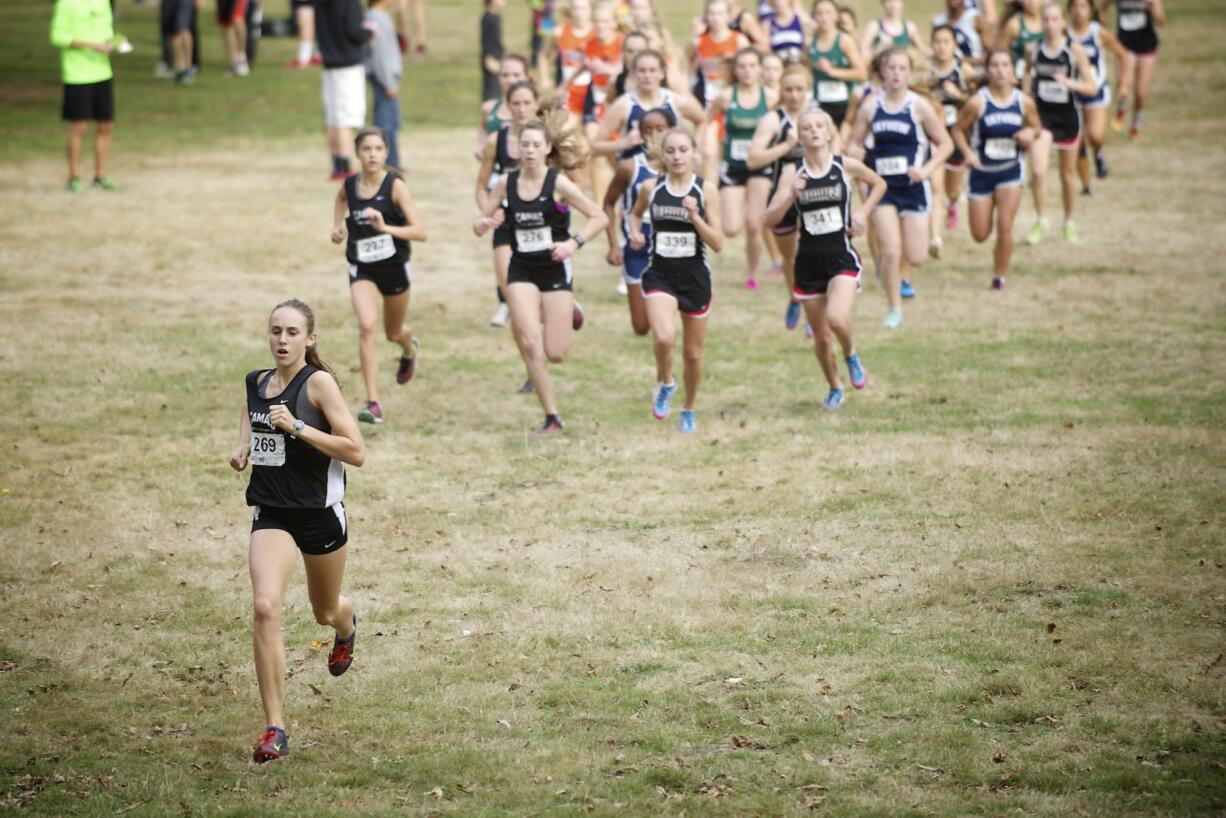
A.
x: 285, y: 471
x: 366, y: 246
x: 1056, y: 103
x: 1135, y: 26
x: 793, y: 156
x: 675, y: 243
x: 825, y: 210
x: 503, y: 161
x: 535, y: 224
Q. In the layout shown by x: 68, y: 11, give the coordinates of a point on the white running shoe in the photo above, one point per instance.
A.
x: 622, y: 289
x: 500, y: 316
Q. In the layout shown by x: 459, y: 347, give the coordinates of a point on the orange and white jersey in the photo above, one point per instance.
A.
x: 572, y: 65
x: 609, y: 53
x: 714, y: 64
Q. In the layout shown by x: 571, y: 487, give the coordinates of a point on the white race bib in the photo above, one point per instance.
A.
x: 534, y: 240
x: 951, y: 115
x: 823, y: 221
x: 1000, y: 149
x: 267, y: 449
x: 831, y: 91
x: 1132, y: 21
x: 676, y: 245
x: 891, y: 166
x: 738, y: 149
x: 376, y: 248
x: 1052, y: 91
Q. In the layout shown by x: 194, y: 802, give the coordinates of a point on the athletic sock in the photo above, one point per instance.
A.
x: 502, y: 299
x: 1136, y: 118
x: 304, y: 52
x: 340, y: 164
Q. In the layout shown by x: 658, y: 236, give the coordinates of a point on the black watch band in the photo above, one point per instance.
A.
x: 578, y: 240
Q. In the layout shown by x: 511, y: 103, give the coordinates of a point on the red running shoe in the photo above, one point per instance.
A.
x: 408, y: 365
x: 341, y: 656
x: 576, y: 320
x: 272, y: 745
x: 553, y: 423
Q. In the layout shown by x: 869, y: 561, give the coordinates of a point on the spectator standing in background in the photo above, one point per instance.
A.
x: 165, y: 67
x: 383, y: 69
x: 304, y: 21
x: 232, y: 17
x: 343, y: 33
x: 85, y: 34
x: 179, y: 35
x: 491, y: 49
x: 418, y: 9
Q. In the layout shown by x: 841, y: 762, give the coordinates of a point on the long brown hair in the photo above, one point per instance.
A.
x: 371, y: 130
x: 312, y: 352
x: 566, y: 149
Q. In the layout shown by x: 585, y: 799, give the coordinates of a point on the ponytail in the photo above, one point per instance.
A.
x: 312, y: 352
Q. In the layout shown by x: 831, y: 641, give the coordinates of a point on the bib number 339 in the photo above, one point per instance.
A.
x: 675, y: 245
x: 267, y: 449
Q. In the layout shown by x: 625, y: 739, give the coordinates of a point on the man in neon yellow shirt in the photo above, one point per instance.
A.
x: 85, y: 35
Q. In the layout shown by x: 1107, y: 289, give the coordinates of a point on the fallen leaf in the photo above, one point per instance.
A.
x: 998, y: 758
x: 1051, y: 627
x: 437, y: 792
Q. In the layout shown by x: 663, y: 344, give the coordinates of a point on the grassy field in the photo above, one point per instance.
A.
x: 992, y: 584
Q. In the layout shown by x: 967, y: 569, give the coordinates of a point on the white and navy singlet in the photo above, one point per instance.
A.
x: 636, y: 113
x: 992, y: 139
x: 1092, y: 45
x: 899, y: 142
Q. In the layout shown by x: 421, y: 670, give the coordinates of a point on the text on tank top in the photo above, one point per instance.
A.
x: 675, y: 243
x: 992, y: 135
x: 535, y: 223
x: 365, y: 245
x: 825, y: 209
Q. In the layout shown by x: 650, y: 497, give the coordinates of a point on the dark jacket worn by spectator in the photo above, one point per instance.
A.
x: 338, y: 28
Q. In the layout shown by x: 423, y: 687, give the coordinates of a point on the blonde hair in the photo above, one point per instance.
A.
x: 655, y: 152
x: 566, y: 148
x: 796, y: 70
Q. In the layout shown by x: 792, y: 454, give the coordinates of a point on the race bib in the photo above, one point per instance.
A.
x: 891, y: 166
x: 823, y: 221
x: 1000, y: 150
x: 951, y: 115
x: 1132, y: 21
x: 676, y: 245
x: 1052, y: 91
x: 535, y: 240
x: 738, y: 149
x: 376, y: 248
x: 831, y: 91
x: 267, y: 449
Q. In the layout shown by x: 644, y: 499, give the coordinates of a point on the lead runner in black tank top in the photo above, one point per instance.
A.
x: 376, y: 218
x: 827, y: 265
x: 297, y: 435
x: 535, y: 203
x: 684, y: 225
x: 1137, y: 23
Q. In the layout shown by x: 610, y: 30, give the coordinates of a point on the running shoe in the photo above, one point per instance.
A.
x: 1100, y: 165
x: 751, y: 284
x: 420, y: 50
x: 162, y: 71
x: 776, y: 269
x: 1117, y: 121
x: 893, y: 319
x: 297, y: 66
x: 576, y: 317
x: 1070, y: 233
x: 408, y: 365
x: 402, y: 42
x: 272, y: 745
x: 834, y: 399
x: 688, y: 424
x: 792, y: 317
x: 622, y: 287
x: 186, y: 77
x: 808, y: 331
x: 105, y: 183
x: 905, y: 289
x: 1134, y: 133
x: 74, y: 185
x: 339, y: 175
x: 341, y: 656
x: 1085, y: 191
x: 500, y: 316
x: 998, y: 283
x: 526, y: 389
x: 855, y: 370
x: 552, y: 423
x: 951, y: 216
x: 662, y: 400
x: 1036, y: 233
x: 935, y: 247
x: 371, y: 413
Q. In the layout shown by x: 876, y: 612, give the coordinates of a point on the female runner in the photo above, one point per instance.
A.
x: 970, y: 29
x: 827, y: 266
x: 891, y: 30
x: 381, y: 220
x: 499, y: 157
x: 1023, y: 27
x: 495, y: 113
x: 1056, y: 70
x: 624, y: 189
x: 743, y: 192
x: 1096, y: 41
x: 788, y: 30
x: 772, y: 75
x: 623, y: 115
x: 562, y: 58
x: 949, y: 86
x: 836, y: 62
x: 534, y: 201
x: 901, y: 124
x: 297, y: 434
x: 1136, y: 26
x: 994, y: 129
x: 603, y: 55
x: 776, y: 144
x: 678, y: 278
x: 711, y: 51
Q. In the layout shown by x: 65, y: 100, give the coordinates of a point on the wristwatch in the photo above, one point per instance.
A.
x: 299, y: 425
x: 578, y: 240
